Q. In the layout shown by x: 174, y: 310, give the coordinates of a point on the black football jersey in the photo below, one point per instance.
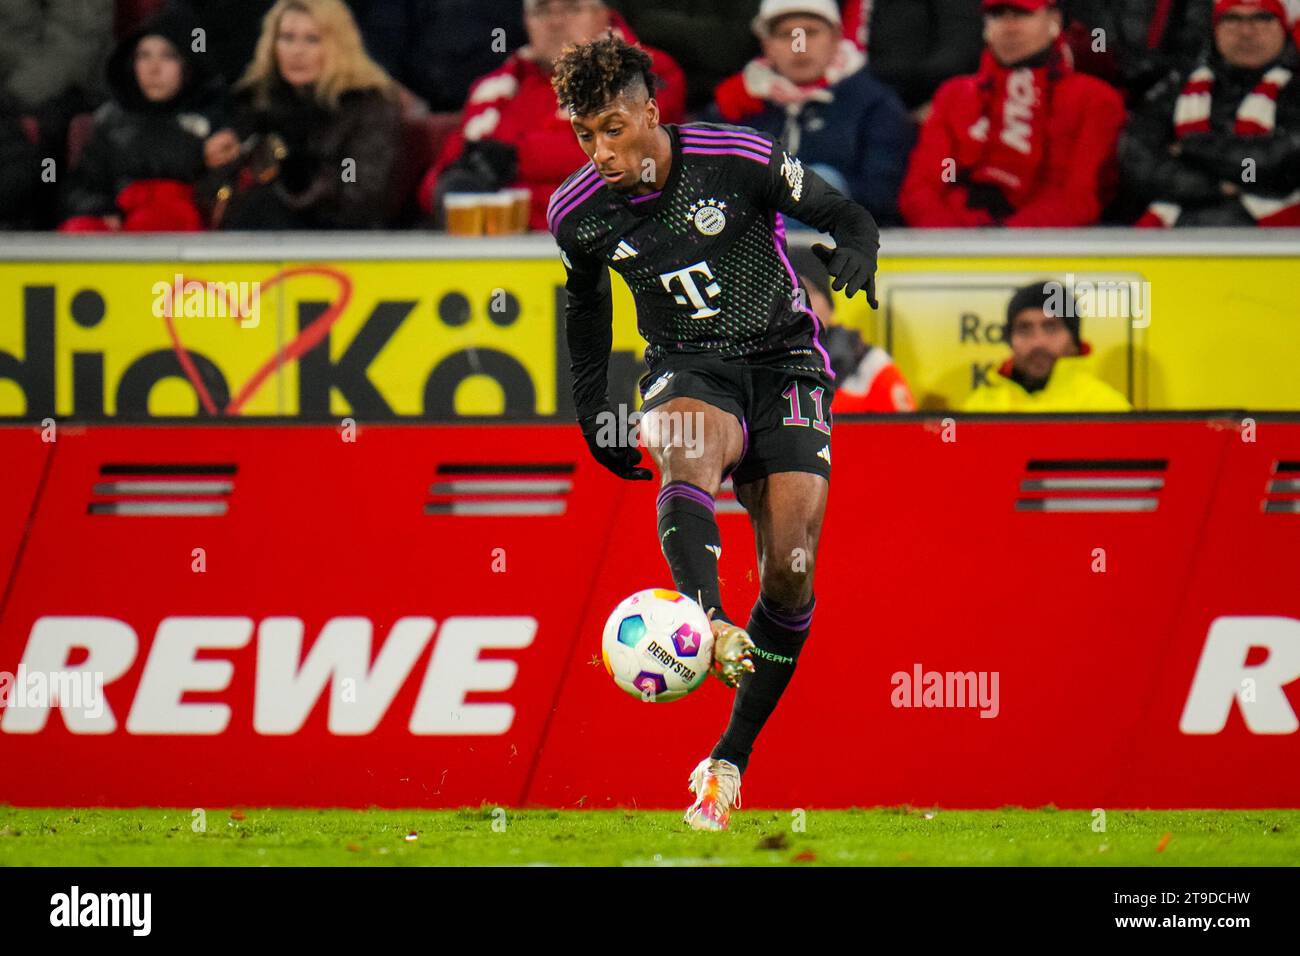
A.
x: 705, y: 257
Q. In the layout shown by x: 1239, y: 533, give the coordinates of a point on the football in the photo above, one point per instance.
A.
x: 658, y: 645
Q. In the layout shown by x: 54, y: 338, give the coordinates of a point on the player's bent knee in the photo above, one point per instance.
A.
x: 790, y: 584
x: 705, y: 477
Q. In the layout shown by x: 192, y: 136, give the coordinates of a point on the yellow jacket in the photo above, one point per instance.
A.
x: 1072, y: 387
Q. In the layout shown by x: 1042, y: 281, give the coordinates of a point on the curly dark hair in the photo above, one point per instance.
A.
x: 589, y: 76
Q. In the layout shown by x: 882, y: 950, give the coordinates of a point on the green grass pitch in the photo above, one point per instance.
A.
x: 487, y: 836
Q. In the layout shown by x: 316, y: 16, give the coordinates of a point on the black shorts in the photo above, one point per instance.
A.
x: 781, y: 433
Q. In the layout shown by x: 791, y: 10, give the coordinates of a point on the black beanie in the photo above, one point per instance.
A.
x: 1050, y: 297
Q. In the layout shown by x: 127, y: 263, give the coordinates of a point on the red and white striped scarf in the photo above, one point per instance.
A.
x: 1256, y: 116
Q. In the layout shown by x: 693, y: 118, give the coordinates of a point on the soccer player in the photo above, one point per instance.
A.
x: 690, y: 217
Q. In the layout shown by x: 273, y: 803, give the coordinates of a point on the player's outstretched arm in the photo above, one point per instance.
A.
x: 792, y: 188
x: 589, y: 330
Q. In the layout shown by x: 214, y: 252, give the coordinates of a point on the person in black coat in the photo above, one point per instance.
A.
x: 314, y: 133
x: 1220, y: 144
x: 146, y: 149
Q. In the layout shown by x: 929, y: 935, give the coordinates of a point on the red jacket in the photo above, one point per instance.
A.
x: 516, y: 105
x: 1075, y: 149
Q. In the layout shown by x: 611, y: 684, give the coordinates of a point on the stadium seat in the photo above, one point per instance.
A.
x: 422, y: 137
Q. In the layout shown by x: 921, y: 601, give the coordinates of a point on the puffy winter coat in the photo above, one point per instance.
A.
x: 134, y: 139
x: 1062, y: 141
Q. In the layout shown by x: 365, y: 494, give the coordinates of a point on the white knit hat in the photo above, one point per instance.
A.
x: 775, y: 9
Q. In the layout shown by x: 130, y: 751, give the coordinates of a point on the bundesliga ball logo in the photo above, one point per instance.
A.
x: 708, y: 216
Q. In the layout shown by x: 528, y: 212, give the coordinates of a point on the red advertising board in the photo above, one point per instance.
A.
x: 24, y: 456
x: 410, y: 616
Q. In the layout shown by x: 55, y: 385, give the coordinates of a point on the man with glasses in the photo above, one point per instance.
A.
x: 513, y: 132
x: 1220, y: 146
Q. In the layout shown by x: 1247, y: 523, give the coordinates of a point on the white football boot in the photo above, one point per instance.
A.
x: 716, y: 785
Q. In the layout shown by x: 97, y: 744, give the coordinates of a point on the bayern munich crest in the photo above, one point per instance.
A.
x: 708, y: 216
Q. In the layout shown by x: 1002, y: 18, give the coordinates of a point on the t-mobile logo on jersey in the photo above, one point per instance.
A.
x: 694, y: 297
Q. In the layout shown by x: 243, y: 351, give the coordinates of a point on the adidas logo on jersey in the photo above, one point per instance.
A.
x: 624, y: 251
x: 825, y: 453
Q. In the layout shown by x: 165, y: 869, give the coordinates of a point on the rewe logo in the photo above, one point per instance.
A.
x: 288, y: 685
x: 693, y: 295
x: 1222, y: 676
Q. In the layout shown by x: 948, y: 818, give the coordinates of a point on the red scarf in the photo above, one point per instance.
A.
x: 1014, y: 106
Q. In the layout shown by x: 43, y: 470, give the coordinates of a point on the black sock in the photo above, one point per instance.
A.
x: 778, y: 635
x: 688, y: 535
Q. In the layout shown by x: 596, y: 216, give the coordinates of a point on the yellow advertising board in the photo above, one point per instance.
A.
x: 441, y: 338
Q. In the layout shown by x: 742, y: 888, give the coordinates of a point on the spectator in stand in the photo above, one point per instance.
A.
x: 514, y: 133
x: 1049, y: 369
x: 866, y: 378
x: 1140, y: 41
x: 1220, y: 146
x: 1026, y: 141
x: 52, y: 55
x: 20, y: 170
x: 437, y: 48
x: 710, y: 39
x: 811, y: 91
x: 915, y: 45
x: 315, y: 128
x: 145, y: 153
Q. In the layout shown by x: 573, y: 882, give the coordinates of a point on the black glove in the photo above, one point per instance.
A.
x: 622, y: 460
x: 991, y: 199
x: 852, y: 270
x: 495, y: 163
x: 483, y: 167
